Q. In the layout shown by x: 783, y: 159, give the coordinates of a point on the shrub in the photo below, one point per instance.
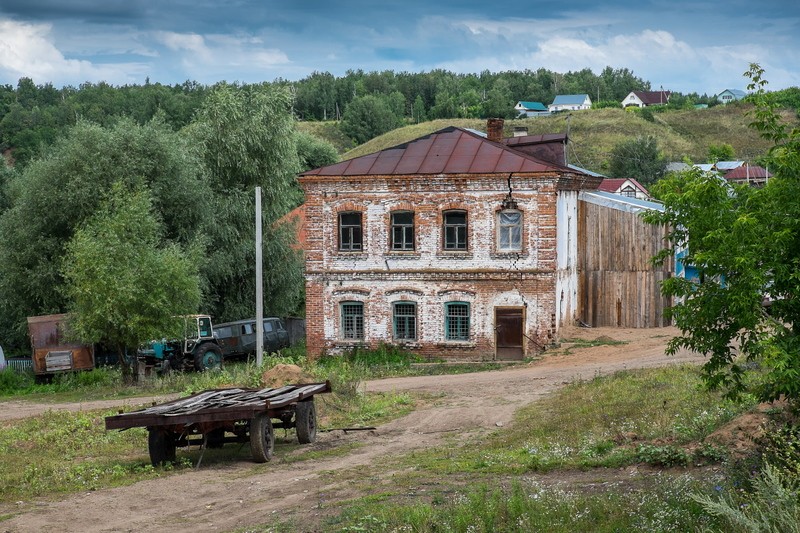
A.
x: 667, y: 455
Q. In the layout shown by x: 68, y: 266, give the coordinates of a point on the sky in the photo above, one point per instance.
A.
x: 684, y: 46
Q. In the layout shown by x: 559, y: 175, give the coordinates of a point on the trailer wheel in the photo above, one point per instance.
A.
x: 306, y: 422
x: 207, y: 357
x: 161, y: 445
x: 262, y: 438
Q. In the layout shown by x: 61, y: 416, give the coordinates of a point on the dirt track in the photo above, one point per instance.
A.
x: 241, y: 494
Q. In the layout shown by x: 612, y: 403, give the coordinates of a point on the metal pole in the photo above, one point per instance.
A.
x: 259, y: 285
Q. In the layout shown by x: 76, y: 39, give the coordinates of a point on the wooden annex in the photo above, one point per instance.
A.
x: 619, y: 286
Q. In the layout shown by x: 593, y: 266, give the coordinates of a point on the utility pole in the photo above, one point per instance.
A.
x: 259, y: 285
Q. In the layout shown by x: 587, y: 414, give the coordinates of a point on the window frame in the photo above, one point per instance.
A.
x: 460, y: 331
x: 357, y: 327
x: 509, y: 229
x: 458, y: 228
x: 351, y: 231
x: 409, y: 321
x: 408, y: 243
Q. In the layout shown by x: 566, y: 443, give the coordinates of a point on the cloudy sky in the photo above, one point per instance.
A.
x: 681, y: 45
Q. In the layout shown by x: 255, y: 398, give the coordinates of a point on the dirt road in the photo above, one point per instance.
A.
x: 240, y: 494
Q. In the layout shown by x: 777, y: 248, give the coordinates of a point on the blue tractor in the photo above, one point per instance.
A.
x: 198, y: 349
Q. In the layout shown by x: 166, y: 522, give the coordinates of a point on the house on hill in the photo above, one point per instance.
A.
x: 730, y: 95
x: 457, y: 244
x: 627, y: 187
x: 750, y: 174
x: 570, y: 102
x: 646, y: 98
x: 530, y: 109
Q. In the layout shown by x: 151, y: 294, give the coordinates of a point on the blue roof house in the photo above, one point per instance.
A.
x: 530, y: 109
x: 570, y: 102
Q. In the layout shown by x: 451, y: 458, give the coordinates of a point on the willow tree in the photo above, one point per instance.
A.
x: 246, y: 138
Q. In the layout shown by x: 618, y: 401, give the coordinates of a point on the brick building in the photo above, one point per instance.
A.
x: 456, y: 244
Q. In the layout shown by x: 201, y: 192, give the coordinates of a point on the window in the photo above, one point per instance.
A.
x: 353, y: 321
x: 509, y: 230
x: 405, y: 321
x: 403, y: 230
x: 456, y: 321
x: 629, y: 191
x: 350, y: 233
x: 247, y: 329
x: 455, y: 230
x: 268, y: 326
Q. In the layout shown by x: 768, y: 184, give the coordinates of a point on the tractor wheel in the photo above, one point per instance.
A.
x: 208, y: 357
x: 262, y: 438
x: 161, y: 445
x: 305, y: 415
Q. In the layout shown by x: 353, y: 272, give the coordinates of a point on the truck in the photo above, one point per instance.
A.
x: 205, y: 346
x: 53, y: 352
x: 238, y: 338
x: 198, y: 348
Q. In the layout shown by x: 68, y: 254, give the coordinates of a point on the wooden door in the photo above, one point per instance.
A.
x: 508, y: 327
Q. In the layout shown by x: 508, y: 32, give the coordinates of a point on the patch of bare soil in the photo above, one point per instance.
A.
x: 240, y: 494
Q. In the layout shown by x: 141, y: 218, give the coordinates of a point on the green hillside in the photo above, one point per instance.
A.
x: 680, y: 133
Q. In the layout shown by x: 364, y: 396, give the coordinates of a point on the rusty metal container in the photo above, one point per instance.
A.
x: 52, y: 351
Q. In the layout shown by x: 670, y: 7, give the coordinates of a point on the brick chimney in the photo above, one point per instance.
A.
x: 494, y: 129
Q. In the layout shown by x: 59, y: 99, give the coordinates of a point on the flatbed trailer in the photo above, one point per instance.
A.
x: 214, y: 417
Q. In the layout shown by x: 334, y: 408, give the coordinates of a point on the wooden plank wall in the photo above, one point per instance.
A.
x: 617, y: 284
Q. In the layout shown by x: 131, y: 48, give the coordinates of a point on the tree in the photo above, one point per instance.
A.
x: 123, y: 283
x: 367, y: 117
x: 246, y: 137
x: 720, y: 152
x: 745, y: 244
x: 314, y: 152
x: 638, y: 158
x: 59, y: 191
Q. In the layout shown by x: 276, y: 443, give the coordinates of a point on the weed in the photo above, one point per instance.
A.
x: 667, y: 455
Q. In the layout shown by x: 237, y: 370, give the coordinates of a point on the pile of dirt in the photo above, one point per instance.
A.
x: 280, y: 375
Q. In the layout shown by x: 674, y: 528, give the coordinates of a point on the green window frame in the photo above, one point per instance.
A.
x: 352, y: 320
x: 404, y: 317
x: 456, y: 321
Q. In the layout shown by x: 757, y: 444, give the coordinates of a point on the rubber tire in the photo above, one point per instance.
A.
x: 262, y: 438
x: 208, y: 357
x: 161, y: 445
x: 305, y: 415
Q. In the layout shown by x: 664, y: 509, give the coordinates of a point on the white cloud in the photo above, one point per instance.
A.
x: 27, y: 50
x: 217, y: 51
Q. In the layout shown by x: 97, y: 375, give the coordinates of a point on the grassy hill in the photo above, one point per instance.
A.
x: 683, y: 133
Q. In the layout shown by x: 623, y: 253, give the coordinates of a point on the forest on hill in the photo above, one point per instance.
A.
x: 363, y: 105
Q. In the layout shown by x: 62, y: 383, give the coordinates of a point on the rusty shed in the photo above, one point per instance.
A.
x: 52, y: 351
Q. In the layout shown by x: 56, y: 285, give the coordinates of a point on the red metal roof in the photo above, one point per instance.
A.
x: 747, y: 171
x: 447, y: 151
x: 653, y: 97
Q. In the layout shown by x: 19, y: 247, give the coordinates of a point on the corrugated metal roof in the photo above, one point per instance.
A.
x: 585, y: 171
x: 747, y: 171
x: 728, y: 165
x: 535, y: 139
x: 570, y: 99
x: 621, y: 203
x: 533, y: 106
x: 448, y: 151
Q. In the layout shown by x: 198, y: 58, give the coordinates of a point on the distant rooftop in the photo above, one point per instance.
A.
x: 570, y: 99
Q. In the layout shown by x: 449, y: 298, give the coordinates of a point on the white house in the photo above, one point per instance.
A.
x: 530, y: 109
x: 730, y: 95
x: 629, y: 188
x: 570, y: 102
x: 646, y: 98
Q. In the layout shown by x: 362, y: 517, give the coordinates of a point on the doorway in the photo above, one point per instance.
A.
x: 508, y: 333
